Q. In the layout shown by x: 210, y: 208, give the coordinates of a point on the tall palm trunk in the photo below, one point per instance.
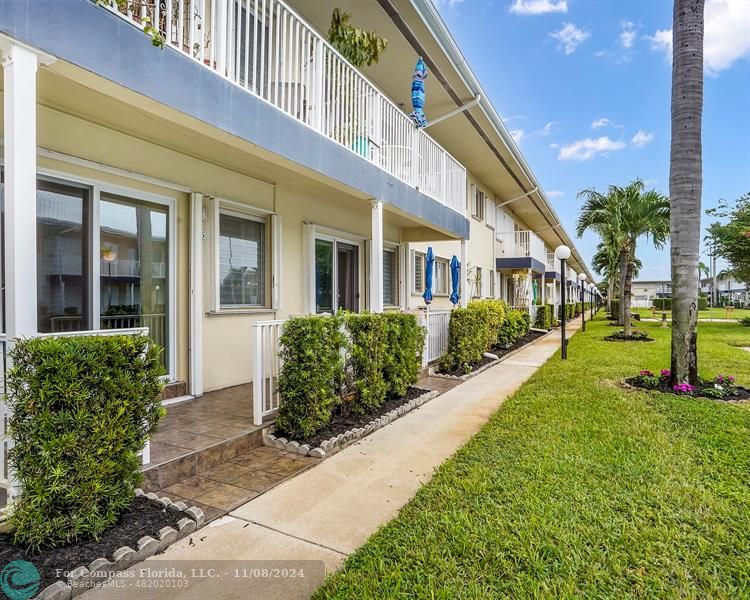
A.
x: 685, y: 183
x: 627, y: 292
x: 621, y: 292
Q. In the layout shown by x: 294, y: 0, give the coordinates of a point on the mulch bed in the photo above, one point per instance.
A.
x: 634, y: 337
x: 144, y: 517
x: 497, y: 351
x: 340, y: 423
x: 740, y: 393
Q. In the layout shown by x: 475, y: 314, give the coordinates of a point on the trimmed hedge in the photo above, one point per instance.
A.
x: 615, y: 314
x: 82, y: 409
x: 482, y: 326
x: 702, y: 303
x: 544, y: 317
x: 312, y: 373
x: 662, y: 303
x: 352, y: 362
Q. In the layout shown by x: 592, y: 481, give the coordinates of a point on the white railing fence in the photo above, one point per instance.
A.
x: 6, y: 443
x: 266, y: 368
x: 522, y: 244
x: 265, y: 47
x: 436, y: 338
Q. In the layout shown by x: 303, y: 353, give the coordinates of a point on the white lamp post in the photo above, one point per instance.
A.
x: 562, y: 253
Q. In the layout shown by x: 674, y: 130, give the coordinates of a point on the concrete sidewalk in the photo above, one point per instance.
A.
x: 327, y: 512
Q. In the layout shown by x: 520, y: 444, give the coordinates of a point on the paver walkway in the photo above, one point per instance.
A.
x: 327, y: 512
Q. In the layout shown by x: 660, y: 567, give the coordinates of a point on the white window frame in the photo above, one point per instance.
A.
x: 477, y: 203
x: 98, y: 186
x: 335, y: 237
x: 417, y: 255
x: 247, y: 216
x: 446, y: 278
x: 395, y: 249
x: 478, y: 282
x: 492, y: 283
x: 273, y: 256
x: 489, y: 212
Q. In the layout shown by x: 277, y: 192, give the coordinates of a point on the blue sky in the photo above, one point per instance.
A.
x: 585, y: 87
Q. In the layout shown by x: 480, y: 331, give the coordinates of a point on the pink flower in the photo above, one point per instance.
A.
x: 683, y: 388
x: 646, y: 373
x: 666, y: 373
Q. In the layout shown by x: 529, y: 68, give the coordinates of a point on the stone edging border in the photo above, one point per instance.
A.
x: 337, y: 443
x: 99, y: 570
x: 434, y: 373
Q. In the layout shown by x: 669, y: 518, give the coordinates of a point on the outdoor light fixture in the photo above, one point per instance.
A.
x: 582, y: 279
x: 562, y: 253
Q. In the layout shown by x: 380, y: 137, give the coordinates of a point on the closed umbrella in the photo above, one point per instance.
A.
x: 417, y: 94
x: 455, y: 270
x: 429, y: 264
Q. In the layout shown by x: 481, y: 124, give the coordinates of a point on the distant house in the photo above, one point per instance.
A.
x: 645, y: 292
x: 728, y: 291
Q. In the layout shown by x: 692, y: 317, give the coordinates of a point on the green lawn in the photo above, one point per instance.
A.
x: 711, y: 313
x: 577, y: 487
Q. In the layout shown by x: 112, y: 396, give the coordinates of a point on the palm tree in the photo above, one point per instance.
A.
x: 686, y: 183
x: 622, y: 217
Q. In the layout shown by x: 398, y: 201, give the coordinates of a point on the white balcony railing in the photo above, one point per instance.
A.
x: 515, y: 244
x: 268, y: 49
x: 553, y: 265
x: 436, y: 338
x: 266, y: 368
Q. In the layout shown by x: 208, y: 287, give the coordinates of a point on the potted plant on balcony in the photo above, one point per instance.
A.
x: 361, y: 48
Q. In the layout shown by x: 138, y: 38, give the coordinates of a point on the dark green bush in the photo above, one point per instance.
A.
x: 745, y: 321
x: 515, y: 326
x: 544, y: 317
x: 311, y: 374
x: 702, y: 303
x: 368, y: 350
x: 405, y: 342
x: 615, y: 303
x: 662, y: 303
x: 467, y: 340
x: 82, y: 409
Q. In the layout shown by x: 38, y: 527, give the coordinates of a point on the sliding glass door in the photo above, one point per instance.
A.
x: 336, y: 275
x: 134, y: 266
x: 62, y: 257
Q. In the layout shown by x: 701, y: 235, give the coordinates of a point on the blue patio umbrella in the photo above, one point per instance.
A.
x: 455, y: 271
x: 429, y: 264
x: 417, y: 94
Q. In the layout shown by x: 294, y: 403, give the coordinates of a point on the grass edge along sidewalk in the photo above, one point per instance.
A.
x: 578, y: 487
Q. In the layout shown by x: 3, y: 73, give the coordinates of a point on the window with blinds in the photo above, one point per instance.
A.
x: 478, y: 200
x: 418, y: 272
x: 242, y: 261
x: 390, y: 277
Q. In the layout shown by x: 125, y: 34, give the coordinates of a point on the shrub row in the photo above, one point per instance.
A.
x: 351, y: 362
x: 476, y: 329
x: 544, y: 317
x: 82, y: 408
x: 662, y: 303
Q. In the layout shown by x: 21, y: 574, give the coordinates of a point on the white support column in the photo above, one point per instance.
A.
x: 196, y: 294
x: 530, y: 291
x: 464, y: 279
x: 544, y: 288
x: 376, y: 258
x: 19, y: 81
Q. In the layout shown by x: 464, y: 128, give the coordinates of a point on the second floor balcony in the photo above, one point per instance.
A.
x: 266, y: 48
x: 520, y: 250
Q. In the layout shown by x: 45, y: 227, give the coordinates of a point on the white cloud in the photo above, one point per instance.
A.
x: 555, y: 194
x: 727, y: 35
x: 538, y: 7
x: 628, y: 34
x: 641, y: 138
x: 601, y: 122
x: 547, y: 129
x: 518, y: 135
x: 570, y: 37
x: 589, y: 148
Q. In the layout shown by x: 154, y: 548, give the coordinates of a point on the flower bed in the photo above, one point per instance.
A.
x: 344, y: 429
x: 147, y: 527
x: 721, y: 387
